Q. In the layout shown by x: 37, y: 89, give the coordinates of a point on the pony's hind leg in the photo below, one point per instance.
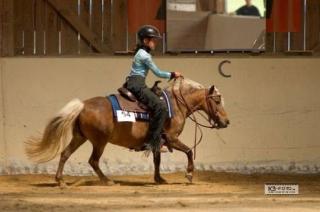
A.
x: 97, y: 152
x: 75, y: 143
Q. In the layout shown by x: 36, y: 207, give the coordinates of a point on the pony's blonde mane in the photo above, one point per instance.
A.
x: 192, y: 86
x: 188, y: 84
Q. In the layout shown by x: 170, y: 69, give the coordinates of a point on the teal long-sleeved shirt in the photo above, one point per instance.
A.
x: 142, y: 63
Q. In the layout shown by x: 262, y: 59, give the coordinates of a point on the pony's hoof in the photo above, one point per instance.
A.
x: 108, y: 182
x: 189, y: 177
x: 160, y: 180
x: 62, y: 185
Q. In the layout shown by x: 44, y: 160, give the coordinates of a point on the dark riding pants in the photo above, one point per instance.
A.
x: 159, y: 113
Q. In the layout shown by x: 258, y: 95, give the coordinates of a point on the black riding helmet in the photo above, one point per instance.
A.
x: 148, y: 31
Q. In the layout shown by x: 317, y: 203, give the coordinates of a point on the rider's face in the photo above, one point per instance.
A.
x: 151, y: 43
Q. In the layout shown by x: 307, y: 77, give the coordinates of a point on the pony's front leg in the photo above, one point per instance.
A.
x: 178, y: 145
x: 156, y: 160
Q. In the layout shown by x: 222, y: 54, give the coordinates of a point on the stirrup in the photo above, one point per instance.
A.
x: 164, y: 149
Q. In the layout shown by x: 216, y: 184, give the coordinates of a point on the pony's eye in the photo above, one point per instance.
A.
x: 217, y: 99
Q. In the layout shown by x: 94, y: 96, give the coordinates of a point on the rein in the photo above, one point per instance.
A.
x: 183, y: 101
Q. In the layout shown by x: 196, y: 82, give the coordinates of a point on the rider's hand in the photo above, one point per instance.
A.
x: 177, y: 74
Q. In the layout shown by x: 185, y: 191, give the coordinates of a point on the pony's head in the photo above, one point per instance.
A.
x: 214, y: 107
x: 208, y: 100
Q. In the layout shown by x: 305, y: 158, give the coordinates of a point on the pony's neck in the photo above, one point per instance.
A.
x: 194, y: 100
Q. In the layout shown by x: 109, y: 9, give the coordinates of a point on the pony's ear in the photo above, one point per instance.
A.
x: 211, y: 90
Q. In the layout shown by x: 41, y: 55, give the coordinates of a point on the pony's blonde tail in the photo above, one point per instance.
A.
x: 55, y: 137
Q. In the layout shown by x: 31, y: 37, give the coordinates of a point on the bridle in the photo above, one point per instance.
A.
x: 212, y: 113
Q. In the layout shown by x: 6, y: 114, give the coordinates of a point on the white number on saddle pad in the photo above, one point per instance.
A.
x: 125, y: 116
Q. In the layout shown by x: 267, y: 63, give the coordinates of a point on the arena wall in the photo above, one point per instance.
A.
x: 273, y: 105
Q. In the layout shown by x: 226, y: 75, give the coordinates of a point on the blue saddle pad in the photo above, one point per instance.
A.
x: 138, y: 115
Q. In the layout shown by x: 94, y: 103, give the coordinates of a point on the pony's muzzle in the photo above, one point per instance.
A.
x: 223, y: 123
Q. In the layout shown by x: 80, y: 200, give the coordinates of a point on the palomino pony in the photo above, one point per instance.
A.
x: 93, y: 120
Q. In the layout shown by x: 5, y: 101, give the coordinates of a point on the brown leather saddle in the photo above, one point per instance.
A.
x: 129, y: 102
